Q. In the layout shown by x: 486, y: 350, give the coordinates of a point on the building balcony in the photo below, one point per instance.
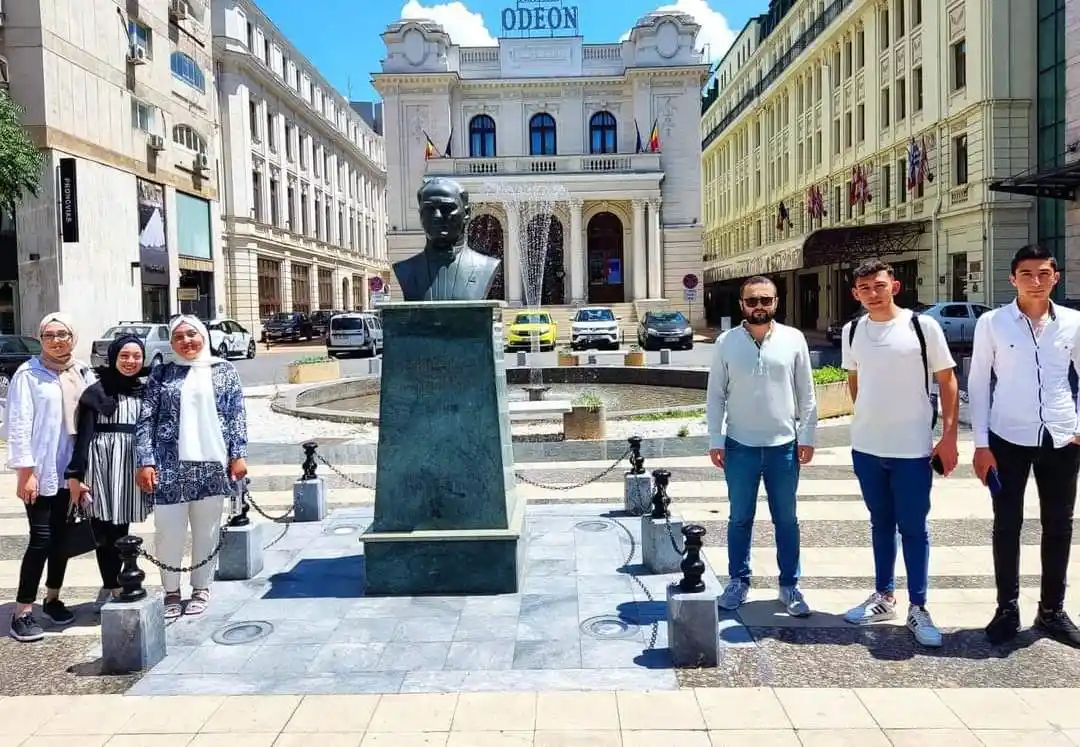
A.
x: 286, y: 240
x: 613, y: 163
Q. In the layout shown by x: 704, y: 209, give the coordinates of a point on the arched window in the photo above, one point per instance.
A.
x: 187, y: 70
x: 603, y: 133
x: 185, y: 135
x: 482, y: 137
x: 542, y: 135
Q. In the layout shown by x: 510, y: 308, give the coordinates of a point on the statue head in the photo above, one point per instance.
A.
x: 444, y: 212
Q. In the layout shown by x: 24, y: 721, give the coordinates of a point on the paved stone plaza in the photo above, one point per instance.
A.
x: 577, y: 636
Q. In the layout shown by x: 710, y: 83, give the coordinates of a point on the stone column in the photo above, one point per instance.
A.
x: 512, y: 256
x: 637, y: 265
x: 313, y: 281
x: 578, y: 266
x: 365, y: 290
x: 286, y: 284
x: 656, y: 264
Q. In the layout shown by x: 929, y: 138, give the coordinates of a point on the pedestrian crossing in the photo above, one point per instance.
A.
x: 836, y: 558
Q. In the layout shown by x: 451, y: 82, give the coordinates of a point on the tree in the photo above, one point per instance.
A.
x: 21, y: 161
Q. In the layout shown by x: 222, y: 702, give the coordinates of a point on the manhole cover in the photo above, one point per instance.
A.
x: 343, y: 529
x: 608, y: 626
x: 593, y: 526
x: 235, y: 634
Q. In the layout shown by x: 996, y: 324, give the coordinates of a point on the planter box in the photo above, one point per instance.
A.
x: 833, y: 400
x: 584, y: 424
x: 636, y: 358
x: 307, y: 373
x: 568, y: 359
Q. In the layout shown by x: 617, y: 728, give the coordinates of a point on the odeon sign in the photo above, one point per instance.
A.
x: 540, y: 17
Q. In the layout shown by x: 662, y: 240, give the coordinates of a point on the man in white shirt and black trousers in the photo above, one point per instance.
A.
x: 892, y: 356
x: 1027, y: 419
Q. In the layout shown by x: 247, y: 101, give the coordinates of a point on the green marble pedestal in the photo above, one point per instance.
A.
x: 447, y: 520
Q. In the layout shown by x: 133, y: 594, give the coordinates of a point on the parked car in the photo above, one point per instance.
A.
x: 835, y: 328
x: 665, y: 329
x: 595, y: 327
x: 957, y: 319
x: 354, y: 332
x: 320, y: 321
x: 15, y: 350
x: 288, y: 326
x: 154, y: 336
x: 228, y: 339
x: 531, y: 328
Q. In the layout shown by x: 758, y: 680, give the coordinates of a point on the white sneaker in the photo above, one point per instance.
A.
x: 876, y: 608
x: 920, y: 623
x: 734, y: 594
x: 792, y: 599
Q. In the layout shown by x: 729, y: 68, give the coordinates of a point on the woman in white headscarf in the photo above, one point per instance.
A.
x: 191, y: 447
x: 41, y: 403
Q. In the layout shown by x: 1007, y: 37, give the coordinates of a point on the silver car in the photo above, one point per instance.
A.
x: 155, y: 338
x: 354, y: 332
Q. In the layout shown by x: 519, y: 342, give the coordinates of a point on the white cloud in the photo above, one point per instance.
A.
x: 464, y: 27
x: 716, y: 34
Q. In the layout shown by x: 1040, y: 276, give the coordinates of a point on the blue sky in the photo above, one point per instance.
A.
x: 342, y: 38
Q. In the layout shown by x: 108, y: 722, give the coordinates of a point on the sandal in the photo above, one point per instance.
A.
x: 173, y: 608
x: 200, y: 599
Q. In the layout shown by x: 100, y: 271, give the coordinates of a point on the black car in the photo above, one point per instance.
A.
x: 291, y: 326
x: 665, y: 329
x: 320, y: 321
x: 15, y: 350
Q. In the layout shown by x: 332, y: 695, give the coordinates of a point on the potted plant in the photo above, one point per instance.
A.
x: 585, y: 421
x: 832, y: 393
x: 634, y: 357
x: 567, y: 357
x: 312, y: 369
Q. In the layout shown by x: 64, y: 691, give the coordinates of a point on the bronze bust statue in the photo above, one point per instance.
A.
x: 447, y: 269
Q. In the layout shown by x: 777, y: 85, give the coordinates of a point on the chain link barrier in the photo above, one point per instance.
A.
x: 574, y: 486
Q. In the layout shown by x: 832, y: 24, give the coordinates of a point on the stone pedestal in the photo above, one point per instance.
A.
x: 241, y: 555
x: 658, y: 553
x: 374, y: 366
x: 637, y: 493
x: 447, y: 518
x: 693, y: 621
x: 309, y: 500
x: 665, y: 356
x: 132, y: 635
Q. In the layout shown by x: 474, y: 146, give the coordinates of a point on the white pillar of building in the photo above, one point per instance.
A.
x: 286, y: 285
x: 313, y: 282
x: 512, y: 256
x: 637, y: 265
x: 656, y: 264
x: 578, y: 270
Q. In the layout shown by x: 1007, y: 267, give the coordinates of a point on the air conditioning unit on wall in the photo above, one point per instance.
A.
x: 138, y: 55
x: 156, y: 143
x: 178, y: 9
x: 202, y: 163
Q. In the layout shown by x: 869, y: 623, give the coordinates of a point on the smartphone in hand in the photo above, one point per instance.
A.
x: 937, y: 465
x: 993, y: 481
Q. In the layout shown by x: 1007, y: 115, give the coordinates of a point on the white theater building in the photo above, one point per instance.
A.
x: 535, y: 113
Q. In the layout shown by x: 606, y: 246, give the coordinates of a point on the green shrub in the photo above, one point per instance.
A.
x: 829, y: 375
x: 589, y: 401
x: 312, y: 359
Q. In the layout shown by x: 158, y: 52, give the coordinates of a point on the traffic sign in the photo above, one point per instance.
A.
x: 689, y: 294
x: 375, y: 283
x: 690, y: 281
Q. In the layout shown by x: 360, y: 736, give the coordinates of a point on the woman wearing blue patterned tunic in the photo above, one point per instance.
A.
x: 103, y: 462
x: 191, y: 446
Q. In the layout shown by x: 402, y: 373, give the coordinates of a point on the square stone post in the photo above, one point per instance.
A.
x: 638, y: 265
x: 578, y: 265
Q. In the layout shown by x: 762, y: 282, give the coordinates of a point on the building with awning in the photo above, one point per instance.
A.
x: 840, y: 131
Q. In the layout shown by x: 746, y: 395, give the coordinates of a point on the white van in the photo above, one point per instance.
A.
x: 354, y: 332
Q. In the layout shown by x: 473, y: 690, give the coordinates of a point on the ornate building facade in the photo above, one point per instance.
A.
x: 581, y: 159
x: 835, y: 131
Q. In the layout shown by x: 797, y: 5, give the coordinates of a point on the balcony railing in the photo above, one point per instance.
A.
x: 614, y: 163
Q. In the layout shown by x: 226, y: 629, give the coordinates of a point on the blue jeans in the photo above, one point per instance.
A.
x: 744, y: 469
x: 897, y: 493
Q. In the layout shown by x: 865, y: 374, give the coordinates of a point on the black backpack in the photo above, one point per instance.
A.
x: 925, y: 361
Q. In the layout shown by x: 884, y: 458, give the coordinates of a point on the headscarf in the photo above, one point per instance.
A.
x: 71, y: 380
x: 112, y: 384
x: 200, y: 438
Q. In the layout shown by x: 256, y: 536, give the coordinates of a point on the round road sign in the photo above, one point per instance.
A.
x: 690, y: 281
x: 375, y: 283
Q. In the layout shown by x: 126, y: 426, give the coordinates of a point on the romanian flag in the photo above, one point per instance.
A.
x: 654, y: 138
x: 430, y: 151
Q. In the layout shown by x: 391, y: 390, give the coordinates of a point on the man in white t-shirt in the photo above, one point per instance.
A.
x: 891, y: 355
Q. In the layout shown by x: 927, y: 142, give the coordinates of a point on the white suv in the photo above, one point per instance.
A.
x: 354, y: 332
x: 595, y: 327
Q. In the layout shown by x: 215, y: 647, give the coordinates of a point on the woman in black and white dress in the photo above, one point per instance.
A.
x: 103, y: 463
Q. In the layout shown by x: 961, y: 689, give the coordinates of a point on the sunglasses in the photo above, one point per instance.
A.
x: 754, y: 301
x: 56, y: 337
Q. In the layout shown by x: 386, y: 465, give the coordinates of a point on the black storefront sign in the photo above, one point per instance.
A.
x: 69, y: 202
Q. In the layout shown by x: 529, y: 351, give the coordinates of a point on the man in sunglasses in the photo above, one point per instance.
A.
x: 761, y: 415
x: 891, y: 356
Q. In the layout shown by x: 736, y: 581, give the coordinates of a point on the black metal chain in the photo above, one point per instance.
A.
x: 645, y: 589
x: 259, y: 510
x: 347, y: 478
x: 583, y: 483
x: 182, y: 569
x: 671, y: 535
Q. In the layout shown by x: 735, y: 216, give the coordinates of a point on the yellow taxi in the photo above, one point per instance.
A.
x: 531, y: 330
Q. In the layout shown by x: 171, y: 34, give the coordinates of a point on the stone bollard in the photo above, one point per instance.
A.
x: 591, y: 359
x: 132, y: 625
x: 693, y: 616
x: 637, y: 485
x: 659, y: 553
x: 309, y: 492
x: 241, y: 555
x: 665, y: 356
x: 522, y: 361
x: 375, y: 366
